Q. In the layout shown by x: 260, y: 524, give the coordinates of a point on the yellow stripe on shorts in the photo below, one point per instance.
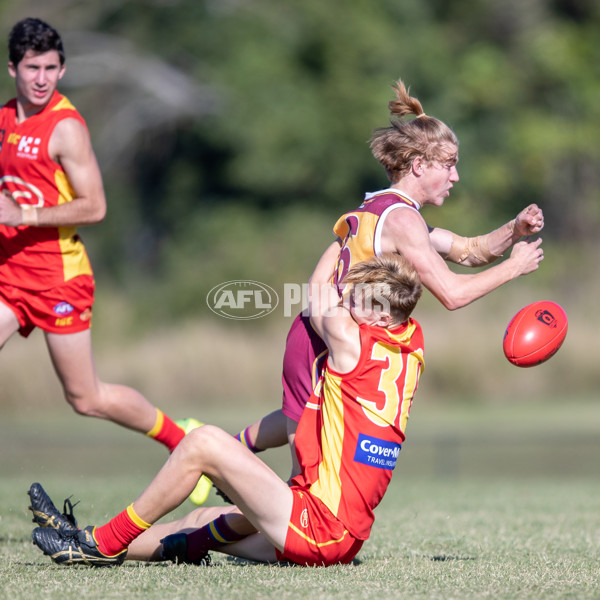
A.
x: 314, y: 542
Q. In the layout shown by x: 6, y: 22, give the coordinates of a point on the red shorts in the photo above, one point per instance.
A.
x: 303, y: 359
x: 63, y: 309
x: 316, y: 538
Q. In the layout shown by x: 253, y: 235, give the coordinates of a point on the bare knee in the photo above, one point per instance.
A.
x: 207, y: 437
x: 81, y: 407
x: 202, y: 445
x: 85, y: 404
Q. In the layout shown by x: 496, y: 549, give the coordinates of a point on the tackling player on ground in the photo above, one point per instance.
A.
x: 348, y: 441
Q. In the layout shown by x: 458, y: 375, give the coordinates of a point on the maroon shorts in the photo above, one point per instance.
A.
x: 63, y: 309
x: 315, y: 537
x: 304, y: 356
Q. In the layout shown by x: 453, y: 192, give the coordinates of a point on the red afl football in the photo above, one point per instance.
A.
x: 535, y: 333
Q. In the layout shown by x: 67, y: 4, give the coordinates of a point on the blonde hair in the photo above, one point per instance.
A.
x: 391, y: 278
x: 397, y: 146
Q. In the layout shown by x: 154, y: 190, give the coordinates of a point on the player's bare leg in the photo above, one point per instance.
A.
x: 9, y: 325
x: 261, y: 495
x: 226, y: 527
x: 257, y: 490
x: 148, y: 547
x: 254, y: 547
x: 281, y: 421
x: 74, y: 364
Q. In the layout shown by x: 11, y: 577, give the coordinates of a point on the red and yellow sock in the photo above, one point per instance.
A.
x: 166, y: 431
x: 119, y: 532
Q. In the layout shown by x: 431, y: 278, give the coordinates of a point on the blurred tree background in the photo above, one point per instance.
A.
x: 230, y: 132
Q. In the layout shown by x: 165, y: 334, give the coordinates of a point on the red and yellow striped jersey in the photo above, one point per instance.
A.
x: 358, y: 420
x: 37, y: 258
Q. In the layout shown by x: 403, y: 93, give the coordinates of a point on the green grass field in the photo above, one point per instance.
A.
x: 498, y: 502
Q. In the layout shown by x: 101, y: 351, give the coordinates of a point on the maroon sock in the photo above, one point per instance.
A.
x: 244, y: 438
x: 216, y: 533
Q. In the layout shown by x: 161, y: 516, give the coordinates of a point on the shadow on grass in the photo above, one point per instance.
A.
x: 445, y: 557
x: 245, y: 562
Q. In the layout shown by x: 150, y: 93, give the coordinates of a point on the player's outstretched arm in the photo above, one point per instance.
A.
x: 406, y: 233
x: 485, y: 249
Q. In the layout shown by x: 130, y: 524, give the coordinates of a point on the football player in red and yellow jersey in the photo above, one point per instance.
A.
x: 348, y: 442
x: 50, y: 183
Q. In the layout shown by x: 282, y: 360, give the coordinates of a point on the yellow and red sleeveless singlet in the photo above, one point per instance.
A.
x: 358, y: 420
x: 37, y: 258
x: 360, y: 231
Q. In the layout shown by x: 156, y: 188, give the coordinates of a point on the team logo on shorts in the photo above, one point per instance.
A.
x: 376, y: 453
x: 304, y: 518
x: 63, y: 308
